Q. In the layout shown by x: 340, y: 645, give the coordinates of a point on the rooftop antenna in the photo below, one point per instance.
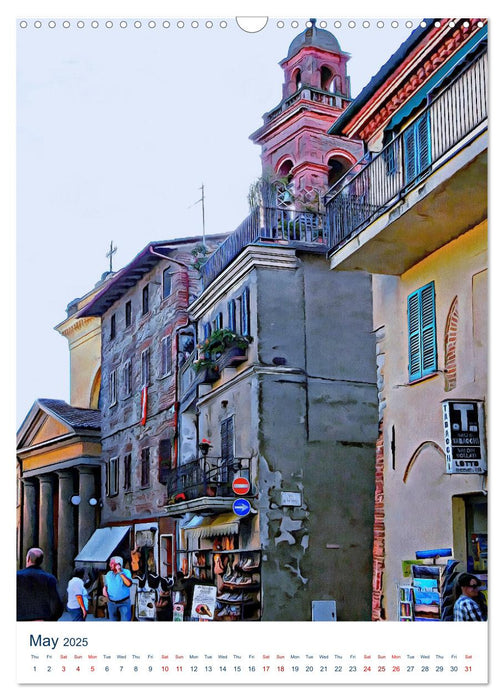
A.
x: 202, y: 200
x: 111, y: 252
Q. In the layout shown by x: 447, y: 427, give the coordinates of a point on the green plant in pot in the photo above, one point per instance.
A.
x: 217, y: 343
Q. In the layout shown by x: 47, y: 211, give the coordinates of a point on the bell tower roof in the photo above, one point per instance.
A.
x: 315, y: 37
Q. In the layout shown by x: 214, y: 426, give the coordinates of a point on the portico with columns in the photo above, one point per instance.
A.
x: 58, y: 450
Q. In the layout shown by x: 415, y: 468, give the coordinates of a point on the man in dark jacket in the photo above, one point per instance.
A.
x: 37, y: 592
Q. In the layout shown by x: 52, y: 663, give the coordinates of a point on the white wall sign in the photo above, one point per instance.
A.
x: 464, y: 436
x: 290, y: 498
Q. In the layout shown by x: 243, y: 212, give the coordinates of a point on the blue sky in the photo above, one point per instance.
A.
x: 117, y: 128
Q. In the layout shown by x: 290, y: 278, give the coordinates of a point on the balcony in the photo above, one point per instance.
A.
x: 424, y: 189
x: 267, y: 225
x: 311, y: 94
x: 205, y: 485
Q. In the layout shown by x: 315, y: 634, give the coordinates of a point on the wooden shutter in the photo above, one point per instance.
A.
x: 165, y: 450
x: 245, y: 312
x: 232, y: 315
x: 422, y: 351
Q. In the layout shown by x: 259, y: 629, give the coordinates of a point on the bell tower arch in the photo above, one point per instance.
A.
x: 315, y: 91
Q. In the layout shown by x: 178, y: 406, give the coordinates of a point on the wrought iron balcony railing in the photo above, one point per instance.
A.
x: 206, y: 476
x: 375, y: 183
x: 266, y: 225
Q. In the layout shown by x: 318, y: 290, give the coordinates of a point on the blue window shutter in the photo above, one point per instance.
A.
x: 428, y: 341
x: 423, y: 143
x: 409, y: 155
x: 422, y: 349
x: 232, y: 315
x: 414, y: 359
x: 245, y: 312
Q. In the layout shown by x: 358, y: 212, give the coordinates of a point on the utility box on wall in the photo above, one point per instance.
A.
x: 323, y: 611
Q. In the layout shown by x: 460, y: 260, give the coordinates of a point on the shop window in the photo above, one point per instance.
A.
x: 113, y: 477
x: 422, y: 353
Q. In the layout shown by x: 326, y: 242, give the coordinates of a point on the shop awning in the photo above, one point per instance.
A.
x: 101, y: 544
x: 224, y: 524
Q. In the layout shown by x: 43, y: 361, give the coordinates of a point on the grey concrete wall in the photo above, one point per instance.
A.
x: 317, y: 432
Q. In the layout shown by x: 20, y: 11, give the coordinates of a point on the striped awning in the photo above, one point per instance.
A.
x: 224, y: 524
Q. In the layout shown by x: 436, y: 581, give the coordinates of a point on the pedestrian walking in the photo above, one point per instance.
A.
x: 77, y: 596
x: 37, y: 590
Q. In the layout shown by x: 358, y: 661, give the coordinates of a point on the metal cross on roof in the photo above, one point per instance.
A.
x: 112, y: 250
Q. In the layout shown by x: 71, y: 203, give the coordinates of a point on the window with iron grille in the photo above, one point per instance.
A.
x: 145, y: 474
x: 165, y: 452
x: 422, y: 351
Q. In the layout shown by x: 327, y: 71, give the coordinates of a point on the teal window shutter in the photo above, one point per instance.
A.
x: 417, y: 149
x: 422, y: 350
x: 245, y: 312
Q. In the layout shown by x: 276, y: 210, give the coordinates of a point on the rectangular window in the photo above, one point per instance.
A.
x: 165, y: 451
x: 166, y: 357
x: 167, y: 275
x: 145, y: 367
x: 145, y: 475
x: 113, y: 388
x: 127, y: 378
x: 227, y: 440
x: 145, y: 299
x: 417, y: 149
x: 207, y: 330
x: 127, y: 314
x: 217, y: 324
x: 422, y: 351
x: 112, y: 327
x: 127, y: 472
x: 113, y: 477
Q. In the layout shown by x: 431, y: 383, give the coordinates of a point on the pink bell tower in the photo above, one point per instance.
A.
x: 294, y: 139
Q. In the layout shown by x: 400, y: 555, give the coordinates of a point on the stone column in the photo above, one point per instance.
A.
x: 29, y: 537
x: 46, y: 522
x: 87, y: 512
x: 66, y: 529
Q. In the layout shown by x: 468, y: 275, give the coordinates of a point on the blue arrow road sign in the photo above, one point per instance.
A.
x: 241, y: 507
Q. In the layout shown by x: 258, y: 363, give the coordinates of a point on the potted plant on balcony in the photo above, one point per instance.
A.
x: 223, y: 348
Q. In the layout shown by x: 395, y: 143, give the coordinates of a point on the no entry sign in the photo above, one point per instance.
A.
x: 241, y: 485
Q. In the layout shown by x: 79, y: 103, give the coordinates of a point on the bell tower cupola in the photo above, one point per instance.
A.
x: 296, y: 147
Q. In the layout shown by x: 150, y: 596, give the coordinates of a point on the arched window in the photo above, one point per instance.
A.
x: 325, y: 78
x: 284, y: 193
x: 337, y: 168
x: 296, y: 77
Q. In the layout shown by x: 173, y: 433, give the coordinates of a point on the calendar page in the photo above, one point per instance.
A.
x: 252, y: 348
